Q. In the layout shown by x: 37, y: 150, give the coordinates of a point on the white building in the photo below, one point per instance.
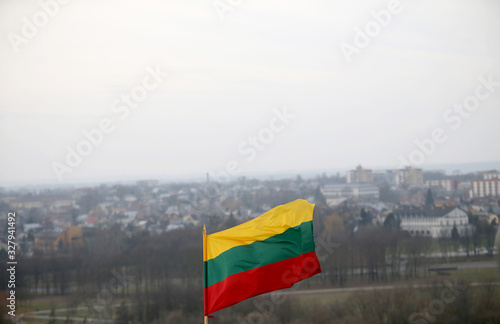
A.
x: 433, y: 221
x: 489, y: 186
x: 491, y: 175
x: 350, y: 190
x: 409, y: 176
x: 448, y: 185
x: 484, y: 188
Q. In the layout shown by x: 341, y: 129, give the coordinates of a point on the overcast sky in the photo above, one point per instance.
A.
x: 228, y: 78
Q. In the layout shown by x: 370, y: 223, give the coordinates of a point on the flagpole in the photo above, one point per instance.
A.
x: 205, y: 269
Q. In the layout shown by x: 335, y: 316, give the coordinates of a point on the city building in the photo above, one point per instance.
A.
x: 433, y: 221
x: 409, y: 176
x: 360, y: 175
x: 489, y: 175
x: 448, y: 185
x: 151, y: 183
x: 41, y: 201
x: 485, y: 188
x: 488, y: 186
x: 58, y: 239
x: 333, y: 192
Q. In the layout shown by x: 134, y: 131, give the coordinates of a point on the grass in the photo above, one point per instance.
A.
x: 43, y: 303
x: 322, y: 298
x: 468, y: 275
x: 477, y: 275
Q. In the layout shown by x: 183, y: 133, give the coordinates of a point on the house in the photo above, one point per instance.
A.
x: 58, y: 239
x: 433, y: 221
x: 176, y: 225
x: 417, y: 199
x: 29, y: 202
x: 31, y: 226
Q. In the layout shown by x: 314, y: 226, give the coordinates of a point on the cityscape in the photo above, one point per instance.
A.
x: 426, y: 203
x: 420, y: 226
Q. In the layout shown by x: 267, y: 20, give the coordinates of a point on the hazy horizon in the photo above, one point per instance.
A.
x: 449, y: 169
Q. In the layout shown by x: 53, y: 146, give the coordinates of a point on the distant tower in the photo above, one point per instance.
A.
x: 359, y: 175
x: 409, y: 176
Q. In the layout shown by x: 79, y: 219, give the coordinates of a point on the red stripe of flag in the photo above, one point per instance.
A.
x: 274, y: 276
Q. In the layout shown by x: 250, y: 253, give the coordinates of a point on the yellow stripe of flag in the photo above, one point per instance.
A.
x: 274, y: 222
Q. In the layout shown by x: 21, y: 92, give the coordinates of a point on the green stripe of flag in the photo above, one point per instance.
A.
x: 292, y: 243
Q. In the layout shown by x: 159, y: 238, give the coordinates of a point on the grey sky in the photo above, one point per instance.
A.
x: 227, y: 76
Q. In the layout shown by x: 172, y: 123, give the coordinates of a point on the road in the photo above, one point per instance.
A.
x: 371, y: 288
x: 472, y: 265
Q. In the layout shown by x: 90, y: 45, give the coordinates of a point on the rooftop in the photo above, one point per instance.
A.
x: 412, y: 211
x: 55, y: 232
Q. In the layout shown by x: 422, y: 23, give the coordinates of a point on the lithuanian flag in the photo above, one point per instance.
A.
x: 270, y: 252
